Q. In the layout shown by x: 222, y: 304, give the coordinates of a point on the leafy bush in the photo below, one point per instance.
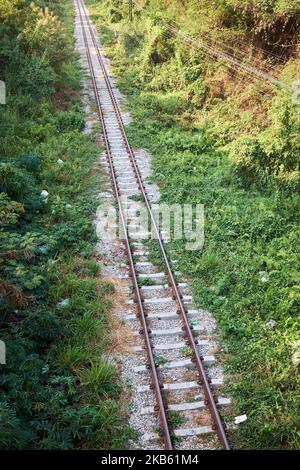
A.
x: 44, y: 34
x: 14, y: 181
x: 52, y: 396
x: 68, y: 121
x: 274, y: 154
x: 247, y: 273
x: 35, y: 76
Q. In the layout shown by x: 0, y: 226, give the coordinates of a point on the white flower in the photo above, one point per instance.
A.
x: 240, y: 419
x: 60, y: 161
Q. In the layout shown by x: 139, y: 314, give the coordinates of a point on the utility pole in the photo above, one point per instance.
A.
x: 130, y: 10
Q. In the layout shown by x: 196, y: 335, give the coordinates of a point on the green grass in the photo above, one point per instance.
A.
x: 102, y: 379
x: 155, y: 255
x: 161, y: 360
x: 145, y: 282
x: 137, y: 197
x: 175, y: 419
x: 251, y: 224
x: 246, y: 231
x: 59, y: 388
x: 187, y: 352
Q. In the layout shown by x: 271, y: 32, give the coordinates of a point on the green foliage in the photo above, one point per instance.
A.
x: 145, y: 282
x: 274, y: 154
x: 246, y: 232
x: 9, y: 210
x: 101, y: 378
x: 12, y: 435
x: 175, y: 419
x: 248, y: 271
x: 160, y: 63
x: 58, y: 388
x: 44, y: 34
x: 161, y: 360
x: 15, y: 182
x: 72, y: 120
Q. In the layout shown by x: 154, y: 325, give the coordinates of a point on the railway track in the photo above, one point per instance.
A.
x: 162, y: 307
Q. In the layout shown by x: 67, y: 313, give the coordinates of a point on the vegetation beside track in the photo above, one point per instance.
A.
x: 58, y: 390
x: 215, y: 141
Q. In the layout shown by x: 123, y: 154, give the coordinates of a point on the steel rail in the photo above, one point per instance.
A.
x: 157, y: 389
x: 205, y: 382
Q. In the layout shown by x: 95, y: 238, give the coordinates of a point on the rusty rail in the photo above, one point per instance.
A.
x: 203, y: 379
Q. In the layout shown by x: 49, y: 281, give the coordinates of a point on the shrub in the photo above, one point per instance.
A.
x: 69, y: 121
x: 33, y: 76
x: 44, y: 34
x: 44, y: 403
x: 14, y: 181
x: 249, y: 156
x: 274, y: 154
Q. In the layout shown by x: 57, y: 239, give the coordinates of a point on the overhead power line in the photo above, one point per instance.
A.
x: 224, y: 56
